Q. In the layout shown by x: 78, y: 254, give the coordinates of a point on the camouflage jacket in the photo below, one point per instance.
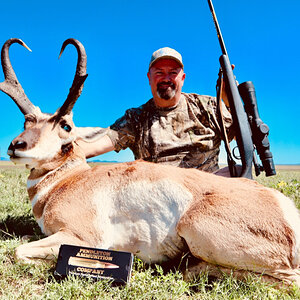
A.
x: 186, y: 136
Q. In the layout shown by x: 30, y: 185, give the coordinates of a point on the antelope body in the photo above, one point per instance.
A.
x: 155, y: 211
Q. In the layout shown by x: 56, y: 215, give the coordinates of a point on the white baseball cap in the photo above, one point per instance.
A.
x: 165, y: 52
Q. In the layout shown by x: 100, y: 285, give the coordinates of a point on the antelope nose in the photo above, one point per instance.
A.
x: 17, y: 145
x: 20, y: 145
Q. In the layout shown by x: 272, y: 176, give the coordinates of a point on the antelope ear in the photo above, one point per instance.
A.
x: 90, y: 134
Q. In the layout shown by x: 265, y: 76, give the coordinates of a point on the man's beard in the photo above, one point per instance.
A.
x: 166, y: 90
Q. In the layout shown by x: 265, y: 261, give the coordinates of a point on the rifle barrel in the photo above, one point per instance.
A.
x: 220, y: 37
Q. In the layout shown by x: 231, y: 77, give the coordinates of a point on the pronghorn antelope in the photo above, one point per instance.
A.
x: 155, y: 211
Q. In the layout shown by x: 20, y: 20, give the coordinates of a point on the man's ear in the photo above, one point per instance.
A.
x: 90, y: 134
x: 183, y: 78
x: 148, y: 75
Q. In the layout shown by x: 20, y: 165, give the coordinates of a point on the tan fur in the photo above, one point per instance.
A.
x: 156, y: 211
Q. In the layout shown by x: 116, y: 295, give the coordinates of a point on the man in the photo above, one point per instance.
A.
x: 171, y: 128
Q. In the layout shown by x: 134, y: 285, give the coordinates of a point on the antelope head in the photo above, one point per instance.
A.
x: 47, y: 139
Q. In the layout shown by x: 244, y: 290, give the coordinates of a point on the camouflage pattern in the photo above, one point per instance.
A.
x: 186, y: 136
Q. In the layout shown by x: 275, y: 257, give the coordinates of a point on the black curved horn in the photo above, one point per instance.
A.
x: 80, y: 76
x: 11, y: 85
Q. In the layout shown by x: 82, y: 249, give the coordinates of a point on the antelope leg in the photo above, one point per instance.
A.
x: 46, y: 248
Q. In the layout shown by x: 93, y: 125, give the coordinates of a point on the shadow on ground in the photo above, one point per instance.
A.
x: 19, y: 226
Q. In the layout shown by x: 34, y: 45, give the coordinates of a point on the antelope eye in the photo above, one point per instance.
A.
x: 66, y: 127
x: 29, y: 121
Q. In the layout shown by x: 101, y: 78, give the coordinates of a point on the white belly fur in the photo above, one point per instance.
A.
x: 141, y: 217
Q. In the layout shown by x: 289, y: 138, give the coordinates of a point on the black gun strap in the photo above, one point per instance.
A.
x: 230, y: 160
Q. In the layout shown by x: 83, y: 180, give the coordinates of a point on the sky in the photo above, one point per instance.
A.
x: 261, y: 37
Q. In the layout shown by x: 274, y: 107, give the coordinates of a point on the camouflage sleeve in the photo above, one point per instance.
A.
x: 210, y: 105
x: 227, y: 118
x: 121, y: 132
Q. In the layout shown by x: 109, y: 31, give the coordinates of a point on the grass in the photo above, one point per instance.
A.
x: 19, y: 281
x: 287, y: 182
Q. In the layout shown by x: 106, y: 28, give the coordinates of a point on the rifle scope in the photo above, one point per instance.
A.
x: 259, y: 129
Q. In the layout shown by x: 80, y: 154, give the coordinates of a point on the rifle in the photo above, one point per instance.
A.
x: 251, y: 132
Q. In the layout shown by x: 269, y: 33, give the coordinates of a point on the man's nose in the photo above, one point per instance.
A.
x: 167, y: 77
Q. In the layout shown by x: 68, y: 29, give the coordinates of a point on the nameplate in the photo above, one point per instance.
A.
x: 94, y: 263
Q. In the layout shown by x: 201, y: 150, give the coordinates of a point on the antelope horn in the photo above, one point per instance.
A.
x: 11, y: 85
x: 80, y: 76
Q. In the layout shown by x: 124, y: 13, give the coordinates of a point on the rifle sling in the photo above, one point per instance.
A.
x: 230, y: 160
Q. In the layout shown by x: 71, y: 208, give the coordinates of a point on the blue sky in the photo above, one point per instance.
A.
x: 262, y: 40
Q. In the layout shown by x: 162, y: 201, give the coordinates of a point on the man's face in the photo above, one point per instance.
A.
x: 166, y: 79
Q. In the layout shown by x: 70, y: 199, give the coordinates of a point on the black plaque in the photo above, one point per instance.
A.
x: 94, y: 263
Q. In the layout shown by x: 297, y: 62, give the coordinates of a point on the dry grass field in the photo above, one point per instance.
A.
x: 288, y: 167
x: 9, y: 164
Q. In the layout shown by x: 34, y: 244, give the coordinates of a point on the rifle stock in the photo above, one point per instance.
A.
x: 240, y: 121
